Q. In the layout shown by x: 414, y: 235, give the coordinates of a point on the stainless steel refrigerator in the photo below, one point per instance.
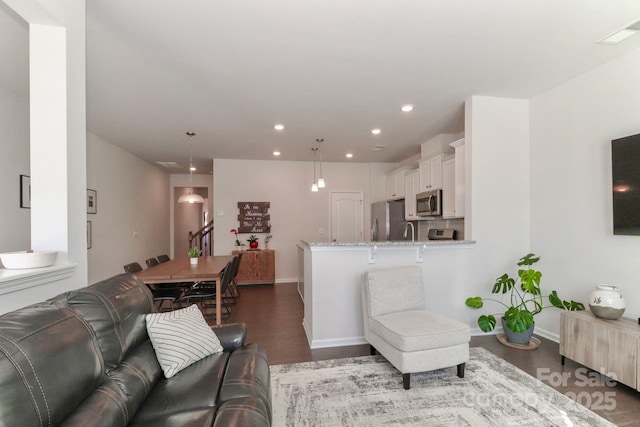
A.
x: 387, y: 221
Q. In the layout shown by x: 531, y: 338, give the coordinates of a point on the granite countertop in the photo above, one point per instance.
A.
x: 392, y: 243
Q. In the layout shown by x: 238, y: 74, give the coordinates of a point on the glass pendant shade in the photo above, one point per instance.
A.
x: 321, y: 182
x: 314, y: 187
x: 191, y: 198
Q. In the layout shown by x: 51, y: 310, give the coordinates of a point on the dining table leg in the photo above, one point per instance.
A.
x: 218, y: 303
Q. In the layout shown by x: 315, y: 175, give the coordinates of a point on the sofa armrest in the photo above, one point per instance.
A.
x: 231, y: 335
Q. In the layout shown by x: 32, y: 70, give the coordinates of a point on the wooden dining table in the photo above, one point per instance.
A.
x: 208, y: 268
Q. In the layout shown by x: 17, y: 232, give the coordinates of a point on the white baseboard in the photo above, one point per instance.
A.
x: 338, y: 342
x: 477, y: 332
x: 287, y: 280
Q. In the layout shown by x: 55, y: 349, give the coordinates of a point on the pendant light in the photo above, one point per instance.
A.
x: 320, y: 178
x: 314, y: 186
x: 191, y: 198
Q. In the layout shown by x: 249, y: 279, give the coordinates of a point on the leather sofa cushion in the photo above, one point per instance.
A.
x: 247, y: 375
x: 245, y: 411
x: 105, y: 407
x: 193, y: 418
x: 115, y: 309
x: 196, y: 387
x: 50, y: 362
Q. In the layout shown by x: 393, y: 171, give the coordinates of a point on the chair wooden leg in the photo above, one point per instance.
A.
x: 461, y: 370
x: 406, y: 381
x: 372, y: 350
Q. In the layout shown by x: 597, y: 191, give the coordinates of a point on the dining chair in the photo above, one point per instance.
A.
x: 233, y: 285
x: 151, y: 262
x: 203, y: 294
x: 163, y: 258
x: 132, y: 268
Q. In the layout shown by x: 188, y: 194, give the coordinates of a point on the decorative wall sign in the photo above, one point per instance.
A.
x: 254, y: 217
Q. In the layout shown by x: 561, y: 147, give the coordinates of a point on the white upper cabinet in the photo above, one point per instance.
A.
x: 395, y: 185
x: 453, y: 183
x: 431, y: 174
x: 412, y: 185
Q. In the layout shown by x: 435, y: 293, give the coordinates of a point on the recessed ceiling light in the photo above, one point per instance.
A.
x: 376, y: 131
x: 348, y: 155
x: 276, y: 153
x: 406, y: 108
x: 278, y: 126
x: 192, y: 168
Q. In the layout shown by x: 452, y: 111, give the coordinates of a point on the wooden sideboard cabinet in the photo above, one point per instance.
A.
x: 257, y: 267
x: 606, y: 346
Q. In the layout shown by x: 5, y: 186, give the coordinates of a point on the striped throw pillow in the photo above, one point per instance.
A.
x: 181, y: 338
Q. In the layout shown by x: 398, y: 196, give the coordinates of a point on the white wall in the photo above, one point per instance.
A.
x: 14, y: 161
x: 132, y: 197
x: 70, y: 16
x: 571, y: 131
x: 296, y: 213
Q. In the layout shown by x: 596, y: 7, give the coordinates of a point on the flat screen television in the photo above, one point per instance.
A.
x: 625, y: 170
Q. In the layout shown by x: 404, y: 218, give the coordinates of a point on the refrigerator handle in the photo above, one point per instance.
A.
x: 374, y: 229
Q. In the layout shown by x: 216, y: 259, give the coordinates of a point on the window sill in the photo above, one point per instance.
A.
x: 16, y: 280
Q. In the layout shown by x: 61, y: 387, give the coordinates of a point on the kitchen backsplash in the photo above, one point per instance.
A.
x: 457, y: 224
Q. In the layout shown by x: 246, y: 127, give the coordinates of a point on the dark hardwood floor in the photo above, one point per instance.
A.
x: 273, y: 315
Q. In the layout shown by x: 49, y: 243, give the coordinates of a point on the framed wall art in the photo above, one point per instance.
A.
x: 25, y: 191
x: 92, y: 201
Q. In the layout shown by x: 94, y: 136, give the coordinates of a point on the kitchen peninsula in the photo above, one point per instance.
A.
x: 332, y: 280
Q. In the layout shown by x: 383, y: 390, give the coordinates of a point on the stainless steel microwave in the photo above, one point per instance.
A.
x: 429, y: 203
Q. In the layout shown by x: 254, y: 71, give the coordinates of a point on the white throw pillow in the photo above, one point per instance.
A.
x: 181, y: 338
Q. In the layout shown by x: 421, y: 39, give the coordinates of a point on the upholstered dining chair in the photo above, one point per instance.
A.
x: 132, y: 268
x: 151, y: 262
x: 161, y: 295
x: 398, y: 326
x: 163, y: 258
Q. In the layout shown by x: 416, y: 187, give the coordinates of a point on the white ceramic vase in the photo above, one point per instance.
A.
x: 194, y: 261
x: 606, y: 302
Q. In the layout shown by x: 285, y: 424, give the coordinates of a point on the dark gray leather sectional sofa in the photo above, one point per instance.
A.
x: 84, y: 359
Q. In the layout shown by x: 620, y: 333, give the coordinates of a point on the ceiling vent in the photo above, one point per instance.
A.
x: 621, y: 34
x: 378, y: 147
x: 169, y: 165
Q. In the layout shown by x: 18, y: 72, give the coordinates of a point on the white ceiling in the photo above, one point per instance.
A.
x: 229, y: 70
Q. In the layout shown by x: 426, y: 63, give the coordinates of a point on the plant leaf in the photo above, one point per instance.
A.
x: 487, y: 323
x: 474, y: 302
x: 503, y: 284
x: 528, y: 260
x: 518, y: 320
x: 572, y: 305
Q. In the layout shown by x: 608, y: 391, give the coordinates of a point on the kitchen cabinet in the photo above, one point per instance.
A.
x: 412, y: 186
x: 395, y: 184
x: 430, y: 174
x: 449, y: 188
x: 256, y: 267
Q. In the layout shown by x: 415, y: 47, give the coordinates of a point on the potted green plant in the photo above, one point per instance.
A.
x: 253, y: 241
x: 238, y: 243
x: 524, y: 301
x: 194, y: 253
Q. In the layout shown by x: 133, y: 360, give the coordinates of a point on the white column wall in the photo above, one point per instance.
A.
x: 572, y: 222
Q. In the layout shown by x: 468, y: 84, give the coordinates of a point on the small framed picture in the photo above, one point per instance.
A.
x: 25, y: 191
x: 92, y: 201
x: 88, y: 234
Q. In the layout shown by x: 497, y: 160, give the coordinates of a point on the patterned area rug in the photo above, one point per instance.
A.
x: 367, y: 391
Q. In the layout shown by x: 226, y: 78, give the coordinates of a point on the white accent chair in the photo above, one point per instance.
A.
x: 398, y: 326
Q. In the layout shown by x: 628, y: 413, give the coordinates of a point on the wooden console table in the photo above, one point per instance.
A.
x: 257, y: 267
x: 606, y: 346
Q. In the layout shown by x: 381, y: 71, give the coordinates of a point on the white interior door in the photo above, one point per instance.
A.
x: 347, y: 217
